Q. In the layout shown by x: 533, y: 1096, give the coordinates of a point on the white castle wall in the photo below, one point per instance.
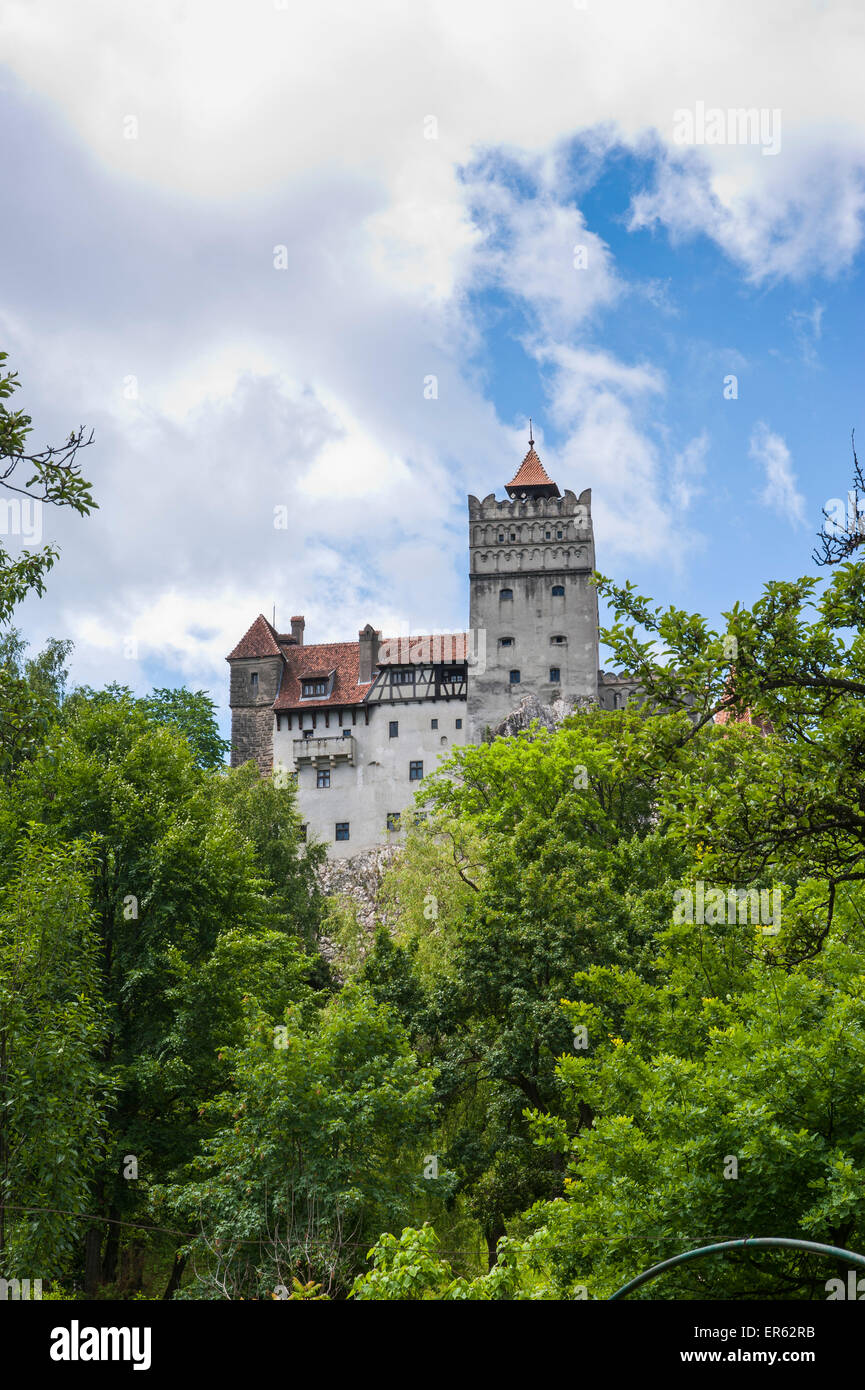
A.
x: 363, y: 793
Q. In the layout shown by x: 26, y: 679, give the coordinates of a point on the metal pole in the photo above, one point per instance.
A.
x: 785, y: 1242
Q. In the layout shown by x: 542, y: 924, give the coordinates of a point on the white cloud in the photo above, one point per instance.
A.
x: 780, y: 493
x: 233, y: 101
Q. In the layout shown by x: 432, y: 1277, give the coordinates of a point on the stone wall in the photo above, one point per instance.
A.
x: 252, y: 716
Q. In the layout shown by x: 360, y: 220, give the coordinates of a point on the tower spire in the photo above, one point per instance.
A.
x: 531, y: 441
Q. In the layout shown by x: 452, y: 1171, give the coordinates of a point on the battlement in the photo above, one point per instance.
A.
x: 492, y: 509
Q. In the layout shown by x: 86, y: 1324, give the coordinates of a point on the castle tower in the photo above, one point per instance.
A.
x: 530, y: 561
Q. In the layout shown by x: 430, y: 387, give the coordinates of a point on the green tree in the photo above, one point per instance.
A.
x: 317, y: 1150
x: 187, y: 921
x: 53, y: 1094
x: 569, y: 869
x: 31, y: 696
x: 54, y: 478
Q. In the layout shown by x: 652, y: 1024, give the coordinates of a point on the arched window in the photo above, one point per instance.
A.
x: 509, y: 593
x: 558, y: 591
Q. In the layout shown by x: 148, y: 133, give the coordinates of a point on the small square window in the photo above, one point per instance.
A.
x: 506, y: 641
x: 322, y: 777
x: 514, y: 677
x: 558, y: 591
x: 433, y: 723
x: 393, y: 729
x: 555, y: 675
x: 393, y: 820
x: 307, y: 733
x: 506, y: 593
x: 346, y: 733
x: 415, y: 771
x: 459, y: 723
x: 342, y: 830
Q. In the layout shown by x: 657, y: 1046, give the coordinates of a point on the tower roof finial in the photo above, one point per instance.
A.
x: 531, y: 441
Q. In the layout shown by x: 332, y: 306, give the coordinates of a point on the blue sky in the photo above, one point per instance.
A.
x: 238, y: 239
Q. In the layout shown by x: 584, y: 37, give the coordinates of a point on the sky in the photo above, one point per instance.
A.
x: 307, y: 271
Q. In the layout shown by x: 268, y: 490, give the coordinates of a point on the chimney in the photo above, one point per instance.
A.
x: 297, y: 626
x: 367, y: 641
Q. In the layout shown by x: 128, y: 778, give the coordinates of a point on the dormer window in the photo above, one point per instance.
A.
x: 402, y: 677
x: 311, y: 689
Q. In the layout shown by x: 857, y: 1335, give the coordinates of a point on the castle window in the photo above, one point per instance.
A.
x: 451, y: 676
x: 393, y: 819
x: 346, y: 733
x: 303, y: 830
x: 501, y: 535
x: 402, y: 677
x: 547, y: 535
x: 322, y: 777
x: 558, y: 535
x: 307, y: 733
x: 506, y: 593
x: 558, y: 591
x: 558, y: 640
x: 459, y: 723
x: 555, y: 675
x: 433, y: 723
x: 514, y: 677
x: 513, y: 535
x: 393, y: 729
x: 415, y: 771
x: 506, y: 641
x: 253, y: 679
x: 342, y: 830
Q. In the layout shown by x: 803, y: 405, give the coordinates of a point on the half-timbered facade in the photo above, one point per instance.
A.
x: 358, y: 725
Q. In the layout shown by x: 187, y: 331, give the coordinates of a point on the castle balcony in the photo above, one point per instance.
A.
x: 323, y: 752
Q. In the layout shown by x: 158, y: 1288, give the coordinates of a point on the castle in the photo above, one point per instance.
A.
x: 359, y: 724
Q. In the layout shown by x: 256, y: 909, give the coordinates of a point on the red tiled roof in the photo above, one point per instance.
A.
x: 531, y: 473
x: 403, y: 651
x: 303, y: 663
x: 343, y: 658
x: 259, y: 641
